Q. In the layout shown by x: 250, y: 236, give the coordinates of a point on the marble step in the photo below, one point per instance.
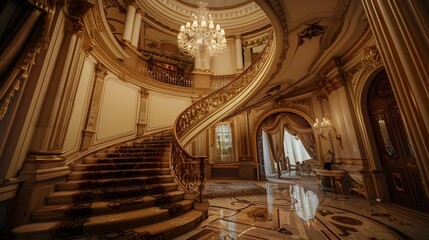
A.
x: 106, y: 183
x: 79, y: 227
x: 153, y: 143
x: 60, y: 212
x: 83, y: 175
x: 119, y: 166
x: 165, y: 144
x: 137, y: 150
x: 79, y: 196
x: 169, y: 229
x: 144, y: 145
x: 138, y: 154
x: 91, y: 160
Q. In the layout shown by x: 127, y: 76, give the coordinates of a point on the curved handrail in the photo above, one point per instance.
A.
x: 189, y: 170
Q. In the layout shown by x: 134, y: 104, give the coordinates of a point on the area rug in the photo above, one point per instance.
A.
x: 228, y: 190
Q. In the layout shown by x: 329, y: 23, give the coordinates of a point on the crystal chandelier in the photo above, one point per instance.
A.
x: 201, y: 35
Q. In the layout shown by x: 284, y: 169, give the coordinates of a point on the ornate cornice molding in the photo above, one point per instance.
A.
x: 76, y: 10
x: 328, y: 85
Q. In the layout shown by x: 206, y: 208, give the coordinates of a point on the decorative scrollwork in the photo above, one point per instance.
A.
x: 312, y: 30
x: 371, y: 58
x: 188, y: 170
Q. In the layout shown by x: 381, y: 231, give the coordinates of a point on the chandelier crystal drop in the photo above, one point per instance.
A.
x: 201, y: 36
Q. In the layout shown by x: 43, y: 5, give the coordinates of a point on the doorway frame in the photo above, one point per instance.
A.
x: 270, y: 112
x: 375, y: 175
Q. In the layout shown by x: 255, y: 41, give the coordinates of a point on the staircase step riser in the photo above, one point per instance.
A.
x: 84, y: 226
x: 116, y: 225
x: 125, y: 166
x: 144, y: 146
x: 131, y: 224
x: 133, y: 155
x: 109, y: 207
x: 102, y: 160
x: 107, y: 194
x: 117, y: 174
x: 137, y: 150
x: 88, y: 185
x: 168, y: 229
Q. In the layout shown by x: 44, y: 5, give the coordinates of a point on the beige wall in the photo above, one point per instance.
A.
x: 163, y: 110
x: 119, y: 110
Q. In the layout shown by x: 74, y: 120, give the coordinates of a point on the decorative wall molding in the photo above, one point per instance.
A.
x: 328, y: 85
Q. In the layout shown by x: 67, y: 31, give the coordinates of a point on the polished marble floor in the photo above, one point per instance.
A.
x: 297, y: 209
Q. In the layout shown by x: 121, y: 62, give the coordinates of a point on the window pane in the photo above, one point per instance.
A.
x: 224, y: 143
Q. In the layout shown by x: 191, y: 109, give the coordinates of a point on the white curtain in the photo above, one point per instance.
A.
x: 294, y: 149
x: 276, y: 147
x: 268, y: 163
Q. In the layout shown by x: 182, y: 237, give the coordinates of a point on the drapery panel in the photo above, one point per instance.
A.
x: 272, y: 126
x: 295, y: 125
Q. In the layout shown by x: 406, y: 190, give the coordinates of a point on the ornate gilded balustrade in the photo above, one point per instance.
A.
x: 166, y: 75
x: 220, y: 81
x: 189, y: 170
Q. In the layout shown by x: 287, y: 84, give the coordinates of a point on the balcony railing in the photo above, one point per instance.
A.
x: 167, y: 76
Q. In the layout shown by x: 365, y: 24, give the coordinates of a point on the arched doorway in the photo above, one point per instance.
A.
x: 394, y: 148
x: 285, y: 143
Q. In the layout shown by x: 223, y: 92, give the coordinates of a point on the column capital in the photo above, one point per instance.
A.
x: 100, y: 71
x: 144, y: 92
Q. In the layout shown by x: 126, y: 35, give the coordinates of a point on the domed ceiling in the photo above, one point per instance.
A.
x: 316, y: 33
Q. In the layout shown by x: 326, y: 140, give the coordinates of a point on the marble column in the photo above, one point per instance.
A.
x: 129, y: 22
x: 136, y: 28
x: 206, y: 63
x: 401, y: 29
x: 247, y: 57
x: 239, y: 53
x: 197, y: 62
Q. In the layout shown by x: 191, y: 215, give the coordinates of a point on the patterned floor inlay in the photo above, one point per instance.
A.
x: 226, y: 190
x: 299, y: 210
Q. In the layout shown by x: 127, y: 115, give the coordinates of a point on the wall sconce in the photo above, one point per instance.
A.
x: 327, y: 131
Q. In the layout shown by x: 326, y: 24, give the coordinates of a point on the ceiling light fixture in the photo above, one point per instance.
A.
x: 201, y: 36
x: 327, y: 127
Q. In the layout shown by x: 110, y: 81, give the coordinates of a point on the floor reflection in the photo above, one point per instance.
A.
x: 297, y: 209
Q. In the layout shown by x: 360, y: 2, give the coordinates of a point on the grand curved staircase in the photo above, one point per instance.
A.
x: 149, y: 188
x: 122, y: 192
